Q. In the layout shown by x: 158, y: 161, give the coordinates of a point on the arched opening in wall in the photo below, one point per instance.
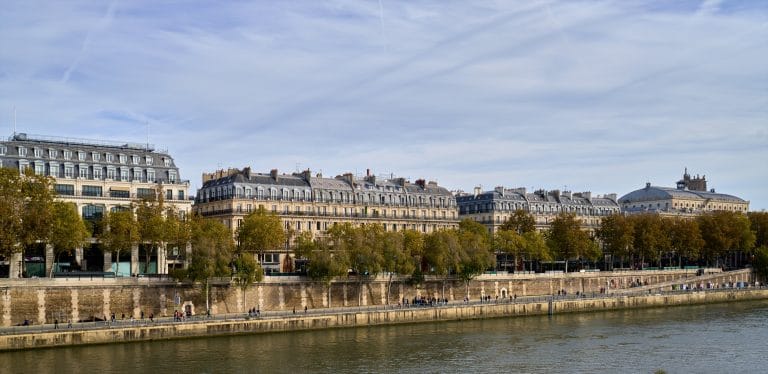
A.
x: 503, y: 293
x: 189, y: 308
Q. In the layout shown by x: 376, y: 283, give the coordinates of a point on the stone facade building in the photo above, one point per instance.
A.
x: 313, y: 203
x: 493, y: 208
x: 689, y: 198
x: 99, y: 177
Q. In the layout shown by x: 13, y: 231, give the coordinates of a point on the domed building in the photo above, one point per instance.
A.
x: 689, y: 197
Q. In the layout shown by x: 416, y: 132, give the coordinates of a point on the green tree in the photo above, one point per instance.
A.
x: 476, y: 255
x: 247, y: 272
x: 261, y: 231
x: 519, y: 222
x: 725, y: 231
x: 323, y: 264
x: 760, y: 262
x: 11, y: 209
x: 535, y: 246
x: 153, y: 231
x: 509, y: 242
x: 397, y: 258
x: 364, y: 253
x: 120, y: 234
x: 616, y: 233
x: 759, y: 223
x: 684, y: 238
x: 69, y: 231
x: 650, y: 238
x: 568, y: 241
x: 443, y: 254
x: 212, y: 250
x: 37, y: 215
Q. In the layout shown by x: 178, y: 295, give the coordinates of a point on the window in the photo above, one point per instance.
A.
x: 91, y: 190
x: 119, y: 194
x: 110, y: 157
x: 269, y: 258
x: 52, y: 153
x: 144, y: 192
x: 172, y: 176
x: 67, y: 154
x: 53, y: 169
x: 97, y: 172
x: 149, y: 160
x: 83, y: 171
x: 166, y: 161
x: 124, y: 174
x: 69, y: 171
x: 81, y: 155
x: 110, y: 172
x: 95, y: 156
x: 135, y: 159
x: 38, y: 152
x: 150, y: 175
x: 169, y: 194
x: 2, y: 150
x: 123, y: 159
x: 137, y: 175
x: 64, y: 189
x: 23, y: 165
x: 22, y: 152
x: 93, y: 212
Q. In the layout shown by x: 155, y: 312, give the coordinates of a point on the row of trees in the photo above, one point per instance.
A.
x: 368, y: 250
x: 706, y: 239
x: 29, y: 215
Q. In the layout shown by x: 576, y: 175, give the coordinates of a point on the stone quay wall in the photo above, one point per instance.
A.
x: 457, y: 311
x: 41, y: 301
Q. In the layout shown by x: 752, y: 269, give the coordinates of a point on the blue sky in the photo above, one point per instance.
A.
x: 585, y: 96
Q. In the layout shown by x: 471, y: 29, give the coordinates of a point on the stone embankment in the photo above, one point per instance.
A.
x: 357, y: 317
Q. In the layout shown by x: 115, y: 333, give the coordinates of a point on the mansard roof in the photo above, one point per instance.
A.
x: 652, y: 193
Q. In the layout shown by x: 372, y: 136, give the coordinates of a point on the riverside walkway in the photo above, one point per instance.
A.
x: 123, y: 323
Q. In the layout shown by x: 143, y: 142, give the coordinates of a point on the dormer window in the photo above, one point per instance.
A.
x: 52, y: 153
x: 38, y: 152
x: 135, y: 159
x: 123, y: 159
x: 149, y: 160
x: 166, y: 161
x: 67, y: 154
x: 95, y: 156
x: 110, y: 157
x: 81, y: 155
x: 3, y: 150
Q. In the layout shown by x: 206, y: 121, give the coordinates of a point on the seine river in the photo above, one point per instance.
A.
x: 722, y: 338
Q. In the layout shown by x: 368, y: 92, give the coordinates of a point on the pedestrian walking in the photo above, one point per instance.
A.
x: 55, y: 323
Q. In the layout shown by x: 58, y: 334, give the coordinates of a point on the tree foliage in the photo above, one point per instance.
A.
x: 724, y: 231
x: 69, y: 230
x: 519, y: 222
x: 759, y: 225
x: 121, y: 232
x: 568, y: 241
x: 261, y: 231
x: 212, y: 249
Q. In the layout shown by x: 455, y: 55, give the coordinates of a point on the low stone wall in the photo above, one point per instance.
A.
x: 41, y: 301
x: 369, y: 318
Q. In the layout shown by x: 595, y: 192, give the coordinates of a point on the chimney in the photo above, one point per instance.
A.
x: 347, y: 177
x: 499, y: 189
x: 478, y: 190
x: 273, y: 173
x: 420, y: 182
x: 587, y: 195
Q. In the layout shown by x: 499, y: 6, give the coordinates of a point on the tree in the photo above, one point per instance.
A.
x: 69, y: 231
x: 568, y: 241
x: 760, y: 263
x: 759, y: 224
x: 153, y: 230
x: 476, y: 255
x: 364, y: 252
x: 725, y: 231
x: 650, y: 238
x: 120, y: 234
x: 443, y: 254
x: 212, y: 250
x: 247, y: 272
x: 37, y: 214
x: 509, y: 242
x: 261, y: 231
x: 323, y: 264
x: 519, y: 222
x: 616, y: 233
x: 536, y: 247
x: 11, y: 208
x: 396, y: 256
x: 684, y: 238
x: 179, y: 232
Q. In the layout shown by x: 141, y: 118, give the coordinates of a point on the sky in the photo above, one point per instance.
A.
x: 598, y: 96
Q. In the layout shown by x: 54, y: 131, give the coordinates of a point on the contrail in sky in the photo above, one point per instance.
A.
x: 103, y: 23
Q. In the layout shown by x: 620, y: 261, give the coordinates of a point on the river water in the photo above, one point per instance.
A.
x: 719, y: 338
